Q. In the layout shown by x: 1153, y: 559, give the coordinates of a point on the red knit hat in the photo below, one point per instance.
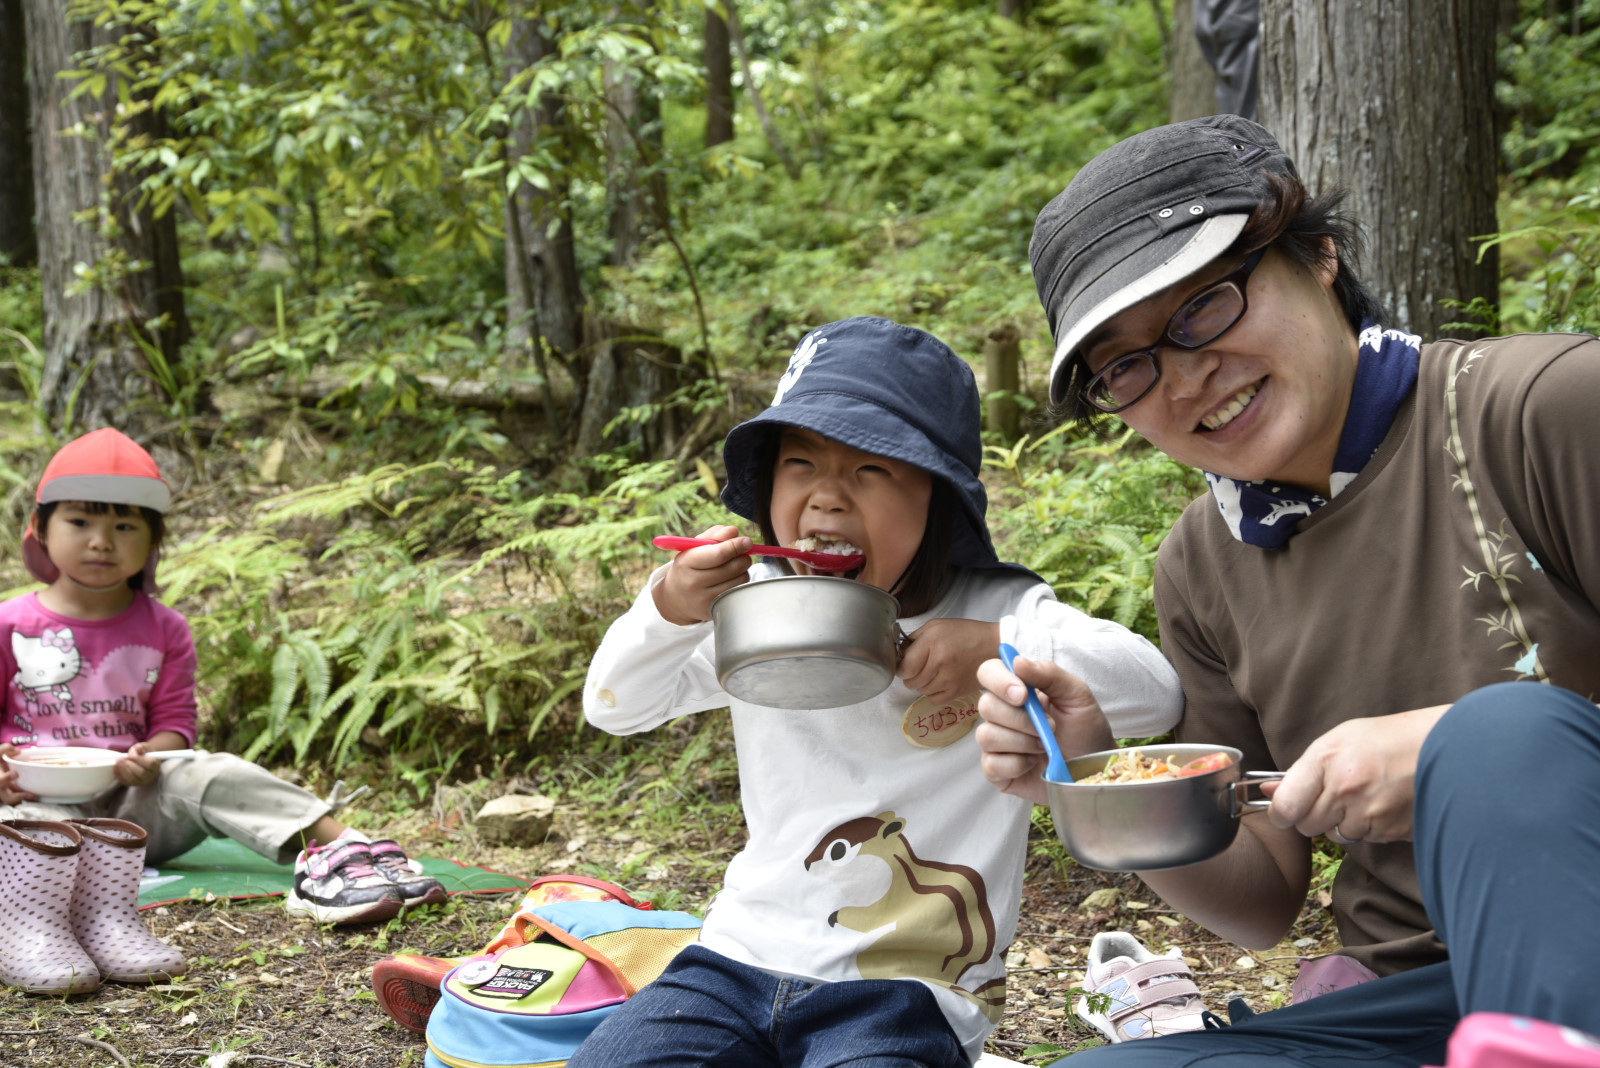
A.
x: 104, y: 466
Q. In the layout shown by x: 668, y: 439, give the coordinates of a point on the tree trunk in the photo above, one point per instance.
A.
x: 96, y: 366
x: 17, y: 244
x: 1393, y: 100
x: 719, y: 79
x: 1002, y: 358
x: 768, y: 127
x: 636, y: 193
x: 1194, y: 83
x: 545, y: 223
x: 1015, y: 10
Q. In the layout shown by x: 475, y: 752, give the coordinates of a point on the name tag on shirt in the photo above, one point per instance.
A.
x: 930, y: 726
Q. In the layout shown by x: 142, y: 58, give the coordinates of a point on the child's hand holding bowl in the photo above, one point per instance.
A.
x: 10, y: 792
x: 136, y: 769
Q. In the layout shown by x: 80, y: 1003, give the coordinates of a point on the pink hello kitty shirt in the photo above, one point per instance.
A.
x: 102, y: 683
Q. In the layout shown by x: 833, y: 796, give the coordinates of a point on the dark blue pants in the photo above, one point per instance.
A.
x: 707, y: 1011
x: 1507, y: 832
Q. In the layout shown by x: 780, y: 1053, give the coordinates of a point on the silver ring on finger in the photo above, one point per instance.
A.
x: 1338, y: 836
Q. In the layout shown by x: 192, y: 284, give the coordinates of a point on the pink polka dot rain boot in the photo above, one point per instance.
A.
x: 105, y: 906
x: 38, y: 861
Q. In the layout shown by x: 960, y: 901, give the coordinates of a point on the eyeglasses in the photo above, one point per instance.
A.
x: 1203, y: 318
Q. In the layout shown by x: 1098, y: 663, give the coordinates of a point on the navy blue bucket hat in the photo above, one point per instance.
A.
x: 883, y: 388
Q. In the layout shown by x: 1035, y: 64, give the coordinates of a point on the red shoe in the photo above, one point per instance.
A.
x: 407, y: 986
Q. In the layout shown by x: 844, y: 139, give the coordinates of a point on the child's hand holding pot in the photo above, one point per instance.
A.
x: 943, y: 657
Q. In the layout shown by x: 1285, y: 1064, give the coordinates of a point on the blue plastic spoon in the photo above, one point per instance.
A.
x: 1056, y: 769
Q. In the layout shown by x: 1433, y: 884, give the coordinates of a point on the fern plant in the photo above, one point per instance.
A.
x: 426, y: 614
x: 1088, y: 517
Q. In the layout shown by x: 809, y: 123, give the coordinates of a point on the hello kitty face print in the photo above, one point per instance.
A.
x: 79, y: 688
x: 798, y: 362
x: 46, y: 664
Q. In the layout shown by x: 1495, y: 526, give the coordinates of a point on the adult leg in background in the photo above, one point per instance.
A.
x: 1508, y: 850
x: 1229, y: 35
x: 1400, y: 1021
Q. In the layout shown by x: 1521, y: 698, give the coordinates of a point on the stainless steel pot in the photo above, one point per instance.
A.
x: 1152, y: 825
x: 806, y: 641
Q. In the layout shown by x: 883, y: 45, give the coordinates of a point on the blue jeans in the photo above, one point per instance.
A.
x: 709, y: 1010
x: 1507, y: 830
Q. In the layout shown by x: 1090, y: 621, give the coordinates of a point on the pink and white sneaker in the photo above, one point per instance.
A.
x: 338, y: 883
x: 1143, y: 995
x: 416, y: 888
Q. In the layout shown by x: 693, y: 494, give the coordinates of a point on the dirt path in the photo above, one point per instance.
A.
x: 276, y: 990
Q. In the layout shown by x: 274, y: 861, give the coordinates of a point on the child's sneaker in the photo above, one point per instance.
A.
x: 1148, y: 995
x: 337, y: 883
x: 406, y: 874
x: 407, y: 986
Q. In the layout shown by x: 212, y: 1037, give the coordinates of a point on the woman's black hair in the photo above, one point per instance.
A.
x: 918, y: 589
x: 155, y: 520
x: 1300, y: 226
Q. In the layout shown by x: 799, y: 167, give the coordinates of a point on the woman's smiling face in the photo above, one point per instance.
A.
x: 823, y: 488
x: 1268, y: 399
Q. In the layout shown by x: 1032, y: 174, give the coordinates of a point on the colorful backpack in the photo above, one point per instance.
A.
x: 574, y: 950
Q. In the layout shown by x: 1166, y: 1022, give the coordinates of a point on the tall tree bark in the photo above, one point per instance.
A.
x: 1194, y: 83
x: 636, y: 189
x: 1393, y: 100
x: 719, y: 78
x: 1015, y: 10
x: 92, y: 339
x: 17, y: 243
x: 770, y: 128
x: 547, y: 266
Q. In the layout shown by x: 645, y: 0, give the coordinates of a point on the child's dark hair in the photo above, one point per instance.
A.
x: 155, y: 520
x: 918, y: 589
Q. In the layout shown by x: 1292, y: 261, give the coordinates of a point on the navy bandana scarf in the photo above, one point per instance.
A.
x: 1266, y: 514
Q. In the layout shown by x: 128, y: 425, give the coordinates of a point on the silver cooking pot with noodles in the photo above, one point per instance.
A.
x: 806, y: 641
x: 1150, y: 826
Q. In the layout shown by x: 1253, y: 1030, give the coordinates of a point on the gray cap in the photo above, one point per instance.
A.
x: 1143, y: 215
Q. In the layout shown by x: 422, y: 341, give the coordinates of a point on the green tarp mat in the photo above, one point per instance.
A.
x: 224, y: 868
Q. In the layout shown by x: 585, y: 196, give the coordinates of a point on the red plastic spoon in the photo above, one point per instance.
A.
x: 820, y: 561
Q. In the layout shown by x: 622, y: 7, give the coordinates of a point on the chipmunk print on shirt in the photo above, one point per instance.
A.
x: 926, y: 920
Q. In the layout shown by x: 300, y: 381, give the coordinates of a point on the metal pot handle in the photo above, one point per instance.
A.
x: 1239, y: 794
x: 901, y: 640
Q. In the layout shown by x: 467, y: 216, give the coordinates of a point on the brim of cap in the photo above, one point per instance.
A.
x: 843, y: 419
x: 1154, y: 268
x: 110, y: 489
x: 44, y: 569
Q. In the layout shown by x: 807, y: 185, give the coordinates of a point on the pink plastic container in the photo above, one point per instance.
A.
x: 1497, y: 1040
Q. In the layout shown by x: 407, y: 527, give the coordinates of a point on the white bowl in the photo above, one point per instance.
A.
x: 64, y: 774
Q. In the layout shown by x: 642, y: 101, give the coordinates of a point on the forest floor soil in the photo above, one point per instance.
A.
x: 266, y: 989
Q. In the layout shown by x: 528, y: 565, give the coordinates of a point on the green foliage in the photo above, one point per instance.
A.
x: 340, y: 171
x: 1549, y: 90
x: 387, y: 622
x: 929, y: 136
x: 1088, y: 517
x: 1551, y: 257
x: 1046, y: 843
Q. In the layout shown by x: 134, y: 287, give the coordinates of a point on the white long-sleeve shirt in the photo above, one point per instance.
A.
x: 871, y: 855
